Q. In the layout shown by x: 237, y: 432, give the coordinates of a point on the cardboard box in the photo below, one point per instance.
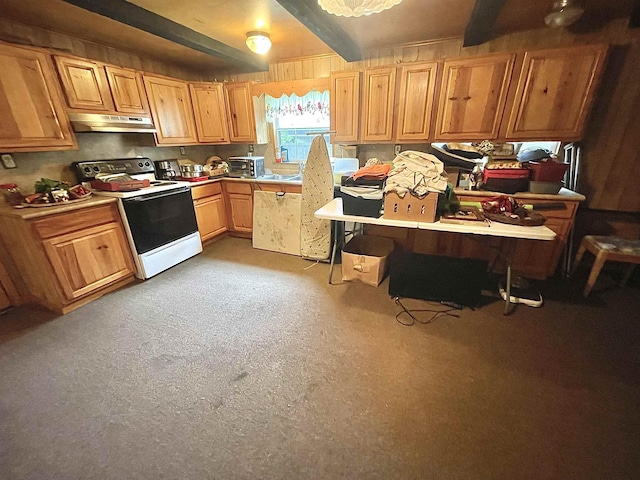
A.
x: 411, y: 208
x: 364, y: 258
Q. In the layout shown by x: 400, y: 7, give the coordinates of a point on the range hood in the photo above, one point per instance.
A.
x: 96, y: 122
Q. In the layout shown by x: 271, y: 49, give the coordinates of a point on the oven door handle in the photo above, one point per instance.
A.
x: 153, y: 196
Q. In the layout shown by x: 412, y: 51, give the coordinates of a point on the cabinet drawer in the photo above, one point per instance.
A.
x: 207, y: 190
x: 63, y: 223
x: 237, y: 187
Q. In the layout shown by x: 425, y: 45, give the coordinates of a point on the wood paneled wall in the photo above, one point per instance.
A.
x: 610, y: 176
x: 21, y: 34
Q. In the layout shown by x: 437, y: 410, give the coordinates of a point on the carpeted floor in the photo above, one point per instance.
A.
x: 244, y: 364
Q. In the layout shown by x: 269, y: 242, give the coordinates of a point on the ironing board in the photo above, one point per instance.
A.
x: 317, y: 191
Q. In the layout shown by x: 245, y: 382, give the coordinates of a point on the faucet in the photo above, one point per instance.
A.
x: 301, y: 166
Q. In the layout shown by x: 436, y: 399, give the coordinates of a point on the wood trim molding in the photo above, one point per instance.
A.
x: 299, y: 87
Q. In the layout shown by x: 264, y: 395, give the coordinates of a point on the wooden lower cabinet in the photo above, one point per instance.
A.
x: 209, y: 205
x: 239, y: 202
x: 67, y: 259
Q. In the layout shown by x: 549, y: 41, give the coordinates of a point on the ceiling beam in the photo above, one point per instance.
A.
x: 480, y: 26
x: 323, y: 26
x: 134, y: 16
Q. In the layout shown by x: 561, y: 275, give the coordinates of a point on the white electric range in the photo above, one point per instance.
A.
x: 160, y: 220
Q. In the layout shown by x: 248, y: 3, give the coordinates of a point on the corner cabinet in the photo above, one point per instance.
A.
x: 554, y: 93
x: 415, y: 108
x: 243, y: 110
x: 210, y: 112
x: 377, y: 104
x: 172, y: 110
x: 209, y: 205
x: 32, y: 113
x: 472, y: 97
x: 69, y: 258
x: 344, y: 106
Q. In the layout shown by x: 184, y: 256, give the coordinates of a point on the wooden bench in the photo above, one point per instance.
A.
x: 608, y: 249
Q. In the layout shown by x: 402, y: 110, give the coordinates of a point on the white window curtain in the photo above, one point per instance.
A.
x: 313, y: 104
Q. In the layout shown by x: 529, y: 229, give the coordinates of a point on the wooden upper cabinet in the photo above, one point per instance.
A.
x: 378, y: 102
x: 171, y: 109
x: 472, y: 97
x: 415, y: 103
x: 242, y: 121
x: 32, y: 113
x: 127, y: 90
x: 210, y: 112
x: 554, y: 93
x: 85, y: 84
x: 344, y: 106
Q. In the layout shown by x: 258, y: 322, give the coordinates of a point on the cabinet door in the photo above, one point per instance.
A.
x: 378, y: 102
x: 85, y: 85
x: 211, y: 216
x: 472, y: 97
x: 171, y: 110
x: 554, y: 93
x: 32, y: 115
x: 417, y: 89
x: 210, y: 112
x: 241, y: 210
x: 88, y: 259
x: 241, y: 115
x: 344, y: 106
x: 127, y: 90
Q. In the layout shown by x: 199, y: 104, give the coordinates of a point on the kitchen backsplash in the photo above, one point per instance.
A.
x: 31, y: 166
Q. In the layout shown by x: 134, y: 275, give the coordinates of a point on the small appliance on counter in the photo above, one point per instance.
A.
x: 166, y: 169
x: 246, y: 167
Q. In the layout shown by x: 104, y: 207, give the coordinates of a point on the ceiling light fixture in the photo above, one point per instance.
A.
x: 563, y: 13
x: 356, y: 8
x: 258, y: 42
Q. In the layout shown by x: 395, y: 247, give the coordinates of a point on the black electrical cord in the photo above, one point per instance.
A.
x: 414, y: 319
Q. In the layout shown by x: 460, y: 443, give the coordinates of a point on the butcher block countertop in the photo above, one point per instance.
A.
x: 28, y: 213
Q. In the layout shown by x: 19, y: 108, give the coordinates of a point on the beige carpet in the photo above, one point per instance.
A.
x: 246, y: 364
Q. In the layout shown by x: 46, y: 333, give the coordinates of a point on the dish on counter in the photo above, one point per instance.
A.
x: 54, y: 204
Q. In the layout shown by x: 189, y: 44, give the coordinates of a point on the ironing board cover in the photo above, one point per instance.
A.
x: 317, y: 191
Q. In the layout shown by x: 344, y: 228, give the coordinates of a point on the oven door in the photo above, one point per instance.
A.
x: 156, y: 219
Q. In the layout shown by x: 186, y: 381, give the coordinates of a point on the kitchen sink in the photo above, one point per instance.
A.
x: 284, y: 178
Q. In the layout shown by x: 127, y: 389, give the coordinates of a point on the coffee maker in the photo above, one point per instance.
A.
x: 165, y: 169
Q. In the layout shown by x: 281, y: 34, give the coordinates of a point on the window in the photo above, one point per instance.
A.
x: 297, y: 120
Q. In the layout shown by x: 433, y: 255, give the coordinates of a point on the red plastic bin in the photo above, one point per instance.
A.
x: 548, y: 171
x: 506, y: 180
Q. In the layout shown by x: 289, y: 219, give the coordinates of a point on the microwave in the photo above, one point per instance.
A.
x: 246, y: 167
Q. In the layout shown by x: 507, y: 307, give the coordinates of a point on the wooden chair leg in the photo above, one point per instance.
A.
x: 595, y: 271
x: 579, y: 255
x: 627, y: 274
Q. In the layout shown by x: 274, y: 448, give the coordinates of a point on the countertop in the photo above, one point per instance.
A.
x: 245, y: 180
x: 28, y: 213
x: 564, y: 195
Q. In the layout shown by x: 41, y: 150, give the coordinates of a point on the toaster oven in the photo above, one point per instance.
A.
x: 246, y: 167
